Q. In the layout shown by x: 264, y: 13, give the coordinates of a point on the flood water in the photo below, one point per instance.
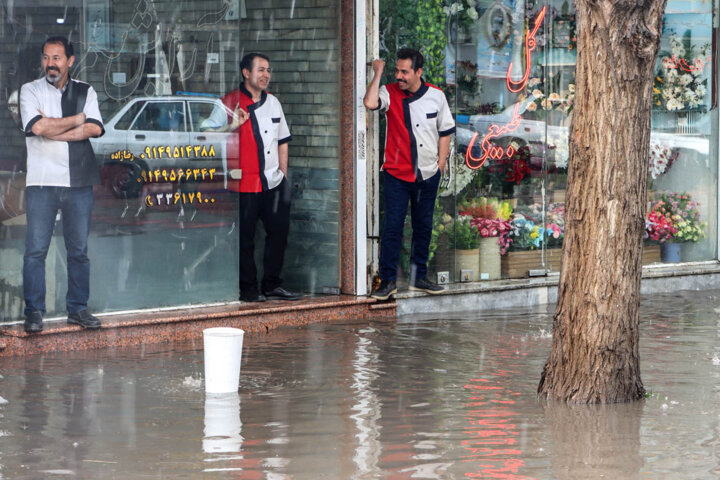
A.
x: 439, y: 397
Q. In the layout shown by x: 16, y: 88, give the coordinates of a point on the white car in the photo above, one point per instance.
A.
x: 532, y: 134
x: 150, y: 133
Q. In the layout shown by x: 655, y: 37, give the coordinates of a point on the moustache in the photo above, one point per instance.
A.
x: 47, y: 70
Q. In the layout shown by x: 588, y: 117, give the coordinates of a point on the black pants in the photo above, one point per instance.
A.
x: 273, y: 209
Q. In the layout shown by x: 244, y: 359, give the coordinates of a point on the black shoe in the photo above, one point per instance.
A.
x: 252, y: 296
x: 280, y: 293
x: 384, y: 291
x: 425, y: 285
x: 33, y: 322
x: 84, y: 319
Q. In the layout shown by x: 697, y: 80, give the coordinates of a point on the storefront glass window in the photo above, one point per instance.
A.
x: 502, y: 212
x: 164, y: 228
x: 683, y: 155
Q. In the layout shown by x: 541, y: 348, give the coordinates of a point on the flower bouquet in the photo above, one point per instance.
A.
x: 491, y: 219
x: 527, y: 234
x: 681, y: 212
x: 661, y: 159
x: 680, y: 82
x: 658, y: 228
x: 509, y: 171
x: 545, y: 92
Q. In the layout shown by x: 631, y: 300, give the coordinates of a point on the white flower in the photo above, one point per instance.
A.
x: 658, y: 159
x: 534, y: 81
x: 454, y: 8
x: 560, y: 148
x: 685, y: 79
x: 471, y: 3
x: 537, y: 93
x: 472, y: 13
x: 673, y: 105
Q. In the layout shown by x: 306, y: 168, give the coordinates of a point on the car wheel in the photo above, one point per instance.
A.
x: 121, y: 181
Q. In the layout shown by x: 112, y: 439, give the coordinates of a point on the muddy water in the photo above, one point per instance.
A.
x: 440, y: 397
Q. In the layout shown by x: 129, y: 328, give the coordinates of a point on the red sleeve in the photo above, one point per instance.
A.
x: 230, y: 100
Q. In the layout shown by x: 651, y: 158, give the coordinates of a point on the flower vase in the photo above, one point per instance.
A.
x: 670, y: 252
x: 468, y: 260
x: 489, y: 258
x: 683, y: 125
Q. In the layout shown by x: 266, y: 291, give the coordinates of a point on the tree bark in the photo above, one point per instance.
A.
x: 594, y: 356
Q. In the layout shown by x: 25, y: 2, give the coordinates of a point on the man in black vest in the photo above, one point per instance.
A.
x: 59, y: 115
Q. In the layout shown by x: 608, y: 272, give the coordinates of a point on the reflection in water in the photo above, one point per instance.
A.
x: 494, y: 431
x: 223, y: 426
x: 367, y: 407
x: 431, y: 398
x: 81, y: 395
x: 33, y: 418
x: 595, y: 441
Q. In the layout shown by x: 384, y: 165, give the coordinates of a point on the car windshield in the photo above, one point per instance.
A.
x: 129, y: 116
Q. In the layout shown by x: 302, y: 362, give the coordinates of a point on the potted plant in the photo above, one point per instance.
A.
x: 679, y: 211
x: 528, y: 234
x: 491, y: 219
x: 463, y: 239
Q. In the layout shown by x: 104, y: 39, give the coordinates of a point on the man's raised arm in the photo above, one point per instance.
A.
x: 372, y: 95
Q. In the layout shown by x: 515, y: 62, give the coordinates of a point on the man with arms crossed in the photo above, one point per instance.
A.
x: 417, y: 144
x: 59, y: 115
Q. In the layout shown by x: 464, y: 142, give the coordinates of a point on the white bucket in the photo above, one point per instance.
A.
x: 223, y: 352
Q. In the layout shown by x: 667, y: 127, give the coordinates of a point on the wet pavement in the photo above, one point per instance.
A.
x: 436, y: 397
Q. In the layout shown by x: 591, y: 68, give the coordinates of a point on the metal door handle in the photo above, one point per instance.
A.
x: 139, y: 137
x: 202, y: 138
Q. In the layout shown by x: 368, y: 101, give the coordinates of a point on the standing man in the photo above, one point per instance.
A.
x: 417, y: 144
x: 59, y: 115
x: 259, y: 150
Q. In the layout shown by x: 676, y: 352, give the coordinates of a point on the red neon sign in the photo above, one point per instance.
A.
x: 530, y: 45
x: 489, y: 150
x: 682, y: 64
x: 493, y: 151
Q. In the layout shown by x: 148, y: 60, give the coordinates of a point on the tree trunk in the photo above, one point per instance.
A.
x: 594, y: 356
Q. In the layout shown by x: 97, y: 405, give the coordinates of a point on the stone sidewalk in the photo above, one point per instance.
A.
x: 165, y: 326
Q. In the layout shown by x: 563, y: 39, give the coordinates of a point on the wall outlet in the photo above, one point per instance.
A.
x: 443, y: 278
x: 466, y: 275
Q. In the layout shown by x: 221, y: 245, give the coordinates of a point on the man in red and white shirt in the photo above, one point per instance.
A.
x: 260, y: 151
x: 417, y: 144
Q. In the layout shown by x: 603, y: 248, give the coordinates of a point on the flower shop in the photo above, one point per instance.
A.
x: 500, y: 212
